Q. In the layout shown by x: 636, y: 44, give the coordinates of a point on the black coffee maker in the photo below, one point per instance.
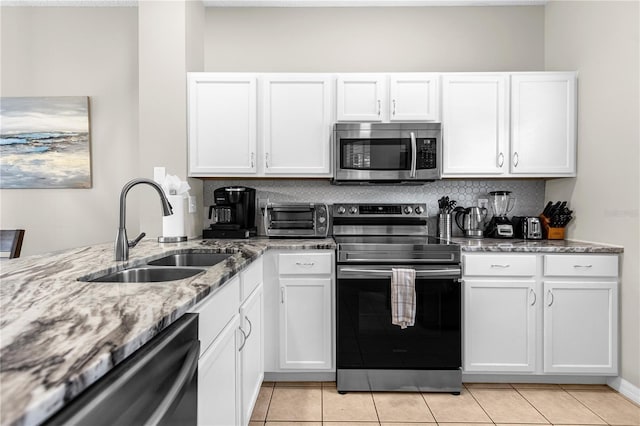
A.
x: 233, y: 214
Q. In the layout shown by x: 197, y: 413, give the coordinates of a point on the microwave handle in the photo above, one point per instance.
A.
x: 414, y: 154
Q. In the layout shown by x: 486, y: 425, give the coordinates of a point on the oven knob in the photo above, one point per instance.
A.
x: 341, y: 210
x: 353, y: 210
x: 419, y: 210
x: 408, y: 210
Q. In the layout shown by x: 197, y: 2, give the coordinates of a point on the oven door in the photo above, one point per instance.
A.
x: 386, y: 155
x: 366, y: 338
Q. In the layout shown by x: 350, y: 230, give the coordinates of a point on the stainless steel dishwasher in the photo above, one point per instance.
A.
x: 157, y: 385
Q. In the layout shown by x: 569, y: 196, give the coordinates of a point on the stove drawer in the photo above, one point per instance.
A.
x: 305, y: 263
x: 499, y: 265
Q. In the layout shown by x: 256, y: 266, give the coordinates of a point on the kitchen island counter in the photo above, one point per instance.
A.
x: 60, y: 335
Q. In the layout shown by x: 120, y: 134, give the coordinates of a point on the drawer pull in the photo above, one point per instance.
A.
x: 535, y: 298
x: 583, y: 266
x: 244, y: 340
x: 281, y: 294
x: 250, y: 326
x: 305, y: 264
x: 495, y: 265
x: 550, y: 293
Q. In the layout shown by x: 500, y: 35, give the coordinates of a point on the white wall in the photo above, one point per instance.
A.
x: 75, y: 52
x: 601, y: 40
x: 375, y: 39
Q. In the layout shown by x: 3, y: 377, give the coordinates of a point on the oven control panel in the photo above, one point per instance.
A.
x: 378, y: 210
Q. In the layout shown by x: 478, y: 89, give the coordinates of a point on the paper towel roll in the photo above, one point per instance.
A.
x: 173, y: 226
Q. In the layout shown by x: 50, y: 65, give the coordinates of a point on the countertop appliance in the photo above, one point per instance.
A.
x: 527, y: 227
x: 295, y: 220
x: 471, y: 220
x: 157, y: 385
x: 501, y: 203
x: 372, y: 353
x: 233, y: 214
x: 387, y: 152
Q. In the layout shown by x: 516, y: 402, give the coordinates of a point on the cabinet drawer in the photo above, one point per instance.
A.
x: 216, y: 311
x: 587, y: 265
x: 250, y: 278
x: 304, y: 263
x: 499, y: 265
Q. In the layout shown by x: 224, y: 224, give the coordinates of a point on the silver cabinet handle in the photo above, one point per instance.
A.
x: 550, y: 293
x: 394, y: 108
x: 305, y: 264
x: 253, y: 155
x: 500, y: 160
x: 495, y: 265
x: 244, y: 342
x: 414, y: 155
x: 583, y: 266
x: 250, y: 326
x: 515, y: 159
x: 379, y: 107
x: 266, y: 160
x: 281, y: 294
x: 535, y: 298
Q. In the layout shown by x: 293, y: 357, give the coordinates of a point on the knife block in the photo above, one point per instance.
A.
x: 551, y: 232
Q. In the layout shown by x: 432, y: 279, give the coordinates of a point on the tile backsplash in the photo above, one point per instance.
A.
x: 528, y: 192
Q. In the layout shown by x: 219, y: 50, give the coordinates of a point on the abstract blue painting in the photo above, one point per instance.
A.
x: 44, y: 142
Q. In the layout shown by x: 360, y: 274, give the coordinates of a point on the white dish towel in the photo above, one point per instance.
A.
x: 403, y: 297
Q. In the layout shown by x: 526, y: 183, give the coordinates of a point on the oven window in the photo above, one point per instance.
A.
x: 291, y: 219
x: 368, y: 340
x: 375, y: 154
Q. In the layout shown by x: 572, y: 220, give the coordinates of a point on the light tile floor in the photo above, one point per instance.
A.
x: 479, y: 404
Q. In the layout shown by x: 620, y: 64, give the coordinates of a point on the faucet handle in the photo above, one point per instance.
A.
x: 137, y: 240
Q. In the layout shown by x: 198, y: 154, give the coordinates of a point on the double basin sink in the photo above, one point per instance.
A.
x: 168, y: 268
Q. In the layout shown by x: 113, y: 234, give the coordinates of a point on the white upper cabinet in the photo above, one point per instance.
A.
x: 543, y: 124
x: 475, y: 115
x: 361, y: 97
x: 222, y: 124
x: 413, y: 97
x: 296, y: 128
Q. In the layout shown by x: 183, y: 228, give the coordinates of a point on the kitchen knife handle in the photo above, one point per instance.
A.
x: 515, y: 159
x: 500, y: 159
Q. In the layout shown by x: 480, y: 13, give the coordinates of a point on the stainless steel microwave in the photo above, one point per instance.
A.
x: 387, y: 152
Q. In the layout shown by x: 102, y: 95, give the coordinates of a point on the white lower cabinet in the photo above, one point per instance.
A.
x: 562, y: 318
x: 299, y: 335
x: 231, y: 365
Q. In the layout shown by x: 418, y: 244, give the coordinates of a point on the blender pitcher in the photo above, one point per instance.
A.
x: 501, y: 202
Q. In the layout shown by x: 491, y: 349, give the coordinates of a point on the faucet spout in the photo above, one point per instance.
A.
x: 122, y: 244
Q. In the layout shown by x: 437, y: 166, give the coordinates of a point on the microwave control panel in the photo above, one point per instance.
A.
x: 427, y: 153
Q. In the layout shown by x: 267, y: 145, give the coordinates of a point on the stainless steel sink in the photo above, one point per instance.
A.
x: 191, y: 259
x: 148, y: 274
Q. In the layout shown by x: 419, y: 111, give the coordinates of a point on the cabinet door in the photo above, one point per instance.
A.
x: 305, y: 323
x: 499, y: 325
x: 219, y: 379
x: 222, y: 124
x: 475, y: 123
x: 580, y: 327
x: 543, y: 124
x: 413, y: 97
x: 251, y: 317
x: 297, y: 125
x: 361, y: 97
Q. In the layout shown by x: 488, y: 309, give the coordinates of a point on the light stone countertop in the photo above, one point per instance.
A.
x: 58, y: 335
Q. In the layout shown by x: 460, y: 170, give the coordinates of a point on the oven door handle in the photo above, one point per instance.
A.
x: 414, y: 155
x: 423, y: 273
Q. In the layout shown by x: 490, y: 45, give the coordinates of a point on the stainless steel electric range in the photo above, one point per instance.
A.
x: 372, y: 353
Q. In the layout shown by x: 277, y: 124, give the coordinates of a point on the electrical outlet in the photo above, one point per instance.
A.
x: 192, y: 204
x: 483, y: 202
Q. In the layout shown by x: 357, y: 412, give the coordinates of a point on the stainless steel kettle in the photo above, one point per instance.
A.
x: 471, y: 220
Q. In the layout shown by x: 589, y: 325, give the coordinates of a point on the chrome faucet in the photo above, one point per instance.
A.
x: 122, y: 243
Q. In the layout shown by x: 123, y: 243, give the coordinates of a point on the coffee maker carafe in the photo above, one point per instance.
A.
x: 233, y: 214
x: 502, y: 203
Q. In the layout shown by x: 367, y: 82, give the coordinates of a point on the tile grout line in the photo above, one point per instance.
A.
x: 586, y: 406
x: 375, y: 407
x: 534, y: 407
x: 429, y: 408
x: 480, y: 405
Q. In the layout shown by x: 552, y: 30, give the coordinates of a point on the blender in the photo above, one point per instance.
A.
x: 502, y: 203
